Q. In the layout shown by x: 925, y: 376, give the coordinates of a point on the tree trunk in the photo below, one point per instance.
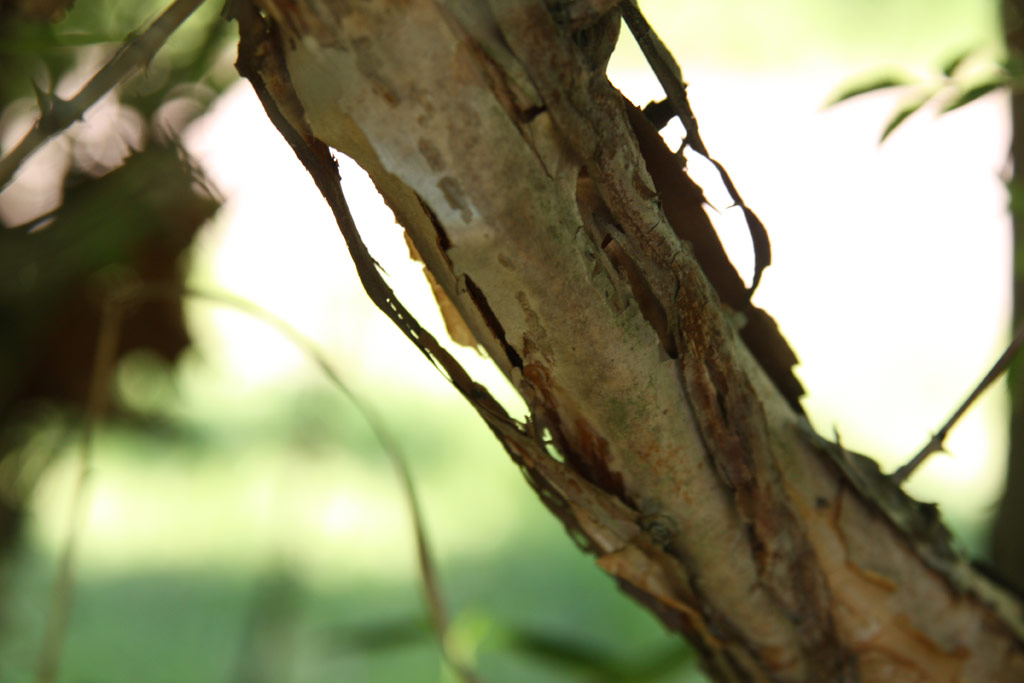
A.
x: 1007, y: 548
x: 665, y: 430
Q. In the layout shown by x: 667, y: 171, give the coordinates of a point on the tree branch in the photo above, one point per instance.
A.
x: 939, y: 438
x: 57, y: 114
x: 549, y: 217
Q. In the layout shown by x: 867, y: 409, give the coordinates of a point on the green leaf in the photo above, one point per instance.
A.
x: 904, y: 112
x: 953, y: 64
x: 1012, y: 64
x: 1015, y: 188
x: 864, y: 88
x: 974, y: 92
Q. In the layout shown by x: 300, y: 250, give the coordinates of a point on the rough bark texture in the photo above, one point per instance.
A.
x: 570, y: 247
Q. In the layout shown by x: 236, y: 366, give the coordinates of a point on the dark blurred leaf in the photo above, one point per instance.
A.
x: 864, y: 88
x: 132, y: 224
x: 973, y: 93
x: 905, y: 112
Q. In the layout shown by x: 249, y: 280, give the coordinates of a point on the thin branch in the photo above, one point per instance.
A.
x: 63, y: 591
x: 57, y: 114
x: 383, y: 435
x: 106, y: 353
x: 428, y: 571
x: 667, y: 71
x: 936, y: 443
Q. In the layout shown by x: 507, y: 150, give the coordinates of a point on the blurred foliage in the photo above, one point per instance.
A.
x: 132, y: 224
x: 128, y: 208
x: 964, y: 78
x: 257, y: 522
x: 38, y: 53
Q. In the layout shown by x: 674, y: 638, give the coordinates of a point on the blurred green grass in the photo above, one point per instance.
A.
x: 184, y: 531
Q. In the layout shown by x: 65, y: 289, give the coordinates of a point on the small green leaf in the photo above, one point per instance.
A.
x: 864, y: 88
x: 953, y: 64
x: 904, y: 112
x: 1016, y: 190
x: 1012, y: 64
x: 974, y: 92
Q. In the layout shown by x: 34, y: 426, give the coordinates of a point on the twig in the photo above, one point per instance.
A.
x: 63, y: 591
x: 667, y: 71
x: 103, y: 365
x: 56, y: 114
x: 391, y: 448
x: 936, y: 443
x: 428, y: 572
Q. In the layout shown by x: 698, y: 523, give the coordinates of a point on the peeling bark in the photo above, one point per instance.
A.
x: 581, y: 259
